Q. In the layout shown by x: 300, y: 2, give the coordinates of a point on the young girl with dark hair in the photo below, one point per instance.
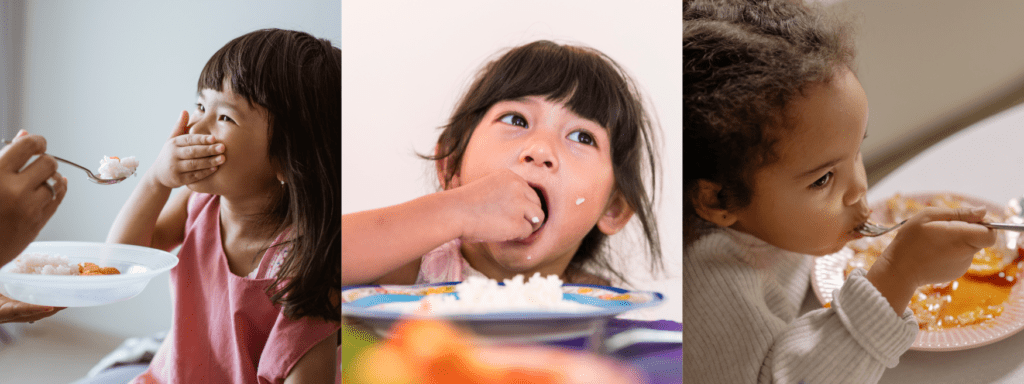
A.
x: 773, y: 122
x: 544, y: 157
x: 256, y: 290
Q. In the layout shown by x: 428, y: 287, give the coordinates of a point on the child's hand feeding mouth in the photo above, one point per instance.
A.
x: 501, y: 206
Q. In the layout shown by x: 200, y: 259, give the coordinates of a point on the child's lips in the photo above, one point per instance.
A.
x: 543, y: 202
x: 530, y: 239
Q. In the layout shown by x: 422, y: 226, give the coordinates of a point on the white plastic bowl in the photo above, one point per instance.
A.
x: 137, y: 264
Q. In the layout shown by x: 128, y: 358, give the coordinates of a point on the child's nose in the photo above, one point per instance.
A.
x: 858, y: 189
x: 197, y: 128
x: 539, y: 153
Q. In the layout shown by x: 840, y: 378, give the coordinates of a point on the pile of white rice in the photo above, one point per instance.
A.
x: 115, y: 168
x: 43, y: 264
x: 483, y: 295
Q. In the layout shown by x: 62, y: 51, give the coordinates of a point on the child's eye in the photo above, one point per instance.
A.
x: 514, y: 119
x: 823, y: 181
x: 225, y: 118
x: 200, y: 107
x: 583, y: 137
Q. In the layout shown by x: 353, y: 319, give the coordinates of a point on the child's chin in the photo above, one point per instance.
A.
x: 828, y: 251
x: 518, y: 264
x: 201, y: 186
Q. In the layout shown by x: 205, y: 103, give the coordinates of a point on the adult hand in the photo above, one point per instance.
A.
x: 13, y: 311
x: 29, y: 194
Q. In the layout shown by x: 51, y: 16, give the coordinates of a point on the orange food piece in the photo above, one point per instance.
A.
x: 434, y: 352
x: 91, y: 269
x: 987, y: 262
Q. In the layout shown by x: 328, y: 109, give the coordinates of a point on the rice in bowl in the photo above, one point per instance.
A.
x: 43, y: 264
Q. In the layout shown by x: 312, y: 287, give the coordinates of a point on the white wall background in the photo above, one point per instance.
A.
x: 106, y: 77
x: 406, y: 63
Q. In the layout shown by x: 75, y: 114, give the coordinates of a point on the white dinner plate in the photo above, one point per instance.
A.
x: 827, y: 276
x: 138, y: 265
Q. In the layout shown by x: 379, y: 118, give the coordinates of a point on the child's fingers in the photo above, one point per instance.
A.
x: 966, y: 214
x: 192, y: 139
x: 191, y: 165
x: 536, y: 218
x: 194, y: 176
x: 181, y: 127
x: 975, y: 236
x: 200, y: 151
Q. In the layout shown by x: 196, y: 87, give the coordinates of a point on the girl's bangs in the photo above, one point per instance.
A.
x: 244, y: 52
x: 590, y: 84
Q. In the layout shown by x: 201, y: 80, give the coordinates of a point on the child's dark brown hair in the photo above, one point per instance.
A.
x: 593, y: 86
x: 297, y: 78
x: 743, y: 61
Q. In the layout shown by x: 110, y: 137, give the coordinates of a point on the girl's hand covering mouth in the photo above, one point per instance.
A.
x: 187, y: 158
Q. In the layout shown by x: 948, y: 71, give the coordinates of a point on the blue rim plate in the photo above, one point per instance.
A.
x: 359, y: 302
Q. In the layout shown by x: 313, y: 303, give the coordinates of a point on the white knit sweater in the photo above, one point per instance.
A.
x: 741, y: 325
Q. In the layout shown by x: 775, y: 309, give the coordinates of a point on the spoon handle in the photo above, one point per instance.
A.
x: 1005, y: 226
x: 71, y: 163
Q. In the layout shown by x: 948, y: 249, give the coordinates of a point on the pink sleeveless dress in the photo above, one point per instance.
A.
x: 226, y: 330
x: 444, y: 264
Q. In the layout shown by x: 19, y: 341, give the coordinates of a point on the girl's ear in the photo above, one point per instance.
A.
x: 616, y: 215
x: 442, y: 170
x: 708, y: 207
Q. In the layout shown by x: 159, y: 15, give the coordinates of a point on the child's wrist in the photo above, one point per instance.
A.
x: 895, y: 286
x: 150, y: 179
x: 449, y: 212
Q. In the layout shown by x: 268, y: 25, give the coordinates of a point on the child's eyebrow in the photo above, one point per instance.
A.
x: 521, y: 99
x: 818, y: 168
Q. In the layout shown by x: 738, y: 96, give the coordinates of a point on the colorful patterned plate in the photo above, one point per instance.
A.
x: 374, y: 306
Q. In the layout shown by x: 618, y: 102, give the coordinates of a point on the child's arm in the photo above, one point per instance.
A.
x: 497, y: 207
x: 147, y: 218
x: 317, y: 365
x: 934, y: 246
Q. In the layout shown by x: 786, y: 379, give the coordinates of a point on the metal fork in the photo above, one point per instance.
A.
x: 871, y: 229
x: 92, y: 177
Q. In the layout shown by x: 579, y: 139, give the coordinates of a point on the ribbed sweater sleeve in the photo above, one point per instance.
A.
x: 741, y: 324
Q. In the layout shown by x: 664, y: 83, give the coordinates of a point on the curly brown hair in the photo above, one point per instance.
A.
x: 743, y: 62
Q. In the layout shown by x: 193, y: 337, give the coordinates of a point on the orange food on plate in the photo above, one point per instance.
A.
x: 431, y: 351
x: 87, y: 269
x: 974, y: 298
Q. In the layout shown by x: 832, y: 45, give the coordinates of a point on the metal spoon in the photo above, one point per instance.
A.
x: 92, y: 177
